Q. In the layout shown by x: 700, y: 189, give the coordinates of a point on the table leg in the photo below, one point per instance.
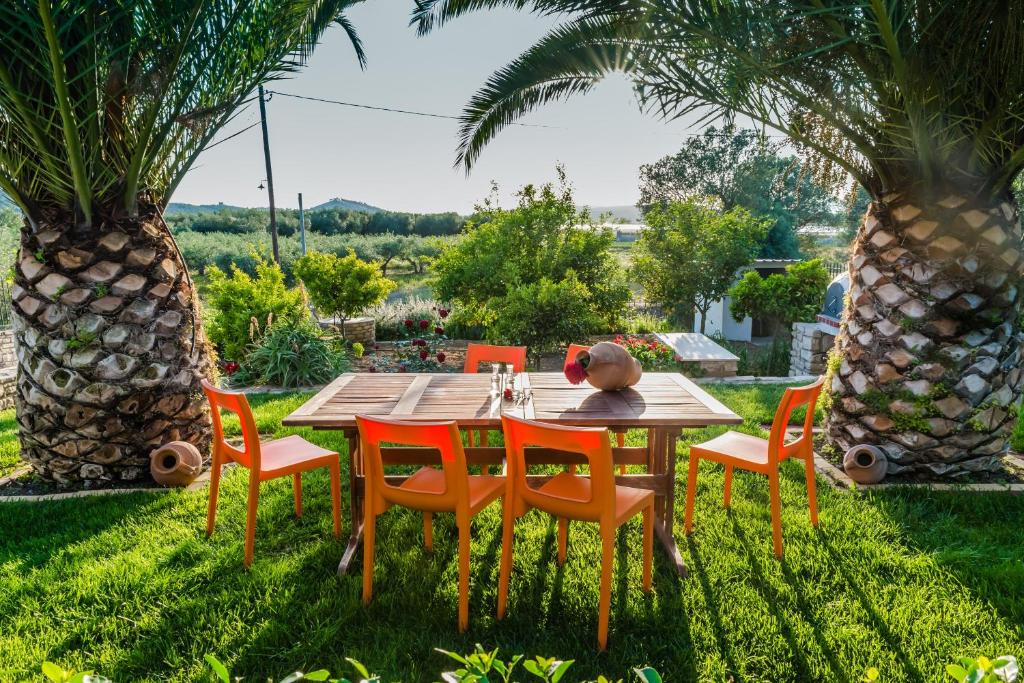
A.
x: 355, y: 469
x: 664, y: 460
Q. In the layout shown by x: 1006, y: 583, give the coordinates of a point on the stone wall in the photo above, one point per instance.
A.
x: 7, y: 357
x: 8, y: 369
x: 809, y: 351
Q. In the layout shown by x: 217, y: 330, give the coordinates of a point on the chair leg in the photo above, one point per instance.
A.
x: 607, y: 548
x: 464, y: 575
x: 297, y: 490
x: 211, y: 511
x: 691, y: 492
x: 369, y: 537
x: 336, y: 498
x: 728, y: 486
x: 648, y: 545
x: 484, y: 469
x: 250, y: 520
x: 620, y: 439
x: 507, y: 541
x: 812, y: 492
x: 428, y: 531
x: 563, y: 539
x: 776, y: 503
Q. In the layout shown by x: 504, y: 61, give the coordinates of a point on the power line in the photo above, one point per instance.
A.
x: 233, y: 135
x: 395, y: 111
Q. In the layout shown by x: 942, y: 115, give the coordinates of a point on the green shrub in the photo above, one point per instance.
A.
x: 291, y: 355
x: 539, y: 239
x: 342, y: 287
x: 242, y: 307
x: 786, y: 298
x: 478, y: 666
x: 544, y: 315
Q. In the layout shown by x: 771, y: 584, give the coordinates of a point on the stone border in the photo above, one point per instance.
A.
x: 200, y: 482
x: 837, y: 479
x: 756, y: 379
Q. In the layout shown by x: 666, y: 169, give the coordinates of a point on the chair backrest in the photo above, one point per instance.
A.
x: 793, y: 398
x: 444, y: 436
x: 236, y: 402
x: 590, y: 442
x: 488, y: 353
x: 570, y: 355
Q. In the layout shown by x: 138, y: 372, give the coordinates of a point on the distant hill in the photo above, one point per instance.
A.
x: 627, y: 213
x: 347, y: 205
x: 180, y: 208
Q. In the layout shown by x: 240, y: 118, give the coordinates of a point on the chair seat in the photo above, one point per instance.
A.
x: 483, y: 489
x: 292, y: 453
x: 628, y: 500
x: 734, y: 447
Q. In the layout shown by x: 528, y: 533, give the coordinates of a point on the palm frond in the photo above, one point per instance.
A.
x: 103, y: 99
x: 928, y: 92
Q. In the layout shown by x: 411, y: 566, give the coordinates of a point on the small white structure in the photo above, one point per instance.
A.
x: 720, y: 320
x: 691, y: 347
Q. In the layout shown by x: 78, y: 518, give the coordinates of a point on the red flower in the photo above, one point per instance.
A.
x: 508, y: 393
x: 408, y: 323
x: 575, y: 372
x: 443, y: 312
x: 372, y: 369
x: 402, y: 368
x: 424, y: 324
x: 231, y: 367
x: 424, y: 354
x: 440, y: 356
x: 438, y: 330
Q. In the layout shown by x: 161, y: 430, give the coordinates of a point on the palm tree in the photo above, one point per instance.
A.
x: 919, y: 101
x: 104, y: 106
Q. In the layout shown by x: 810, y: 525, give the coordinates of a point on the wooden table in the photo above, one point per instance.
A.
x: 662, y: 403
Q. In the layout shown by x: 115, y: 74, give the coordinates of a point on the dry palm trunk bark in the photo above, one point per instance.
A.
x: 930, y: 345
x: 110, y: 347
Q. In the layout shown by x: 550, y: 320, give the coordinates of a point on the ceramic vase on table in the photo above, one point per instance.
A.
x: 606, y: 366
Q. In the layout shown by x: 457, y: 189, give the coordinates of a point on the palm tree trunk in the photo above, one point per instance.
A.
x: 929, y: 352
x: 110, y: 347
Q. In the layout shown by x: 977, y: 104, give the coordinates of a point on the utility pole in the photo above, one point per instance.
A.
x: 270, y: 178
x: 302, y: 225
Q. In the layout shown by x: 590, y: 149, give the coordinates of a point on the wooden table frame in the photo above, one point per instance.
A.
x: 401, y: 399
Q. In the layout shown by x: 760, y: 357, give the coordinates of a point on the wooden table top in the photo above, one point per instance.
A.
x: 658, y: 400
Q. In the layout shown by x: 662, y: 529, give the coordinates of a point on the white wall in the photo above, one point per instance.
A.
x: 720, y: 321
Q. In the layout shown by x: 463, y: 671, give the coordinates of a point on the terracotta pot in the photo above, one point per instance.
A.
x: 610, y: 367
x: 865, y: 464
x: 176, y: 464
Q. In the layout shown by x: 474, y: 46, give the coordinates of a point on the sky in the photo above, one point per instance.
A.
x: 405, y: 163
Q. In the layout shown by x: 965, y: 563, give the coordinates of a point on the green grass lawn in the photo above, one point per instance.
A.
x: 129, y: 586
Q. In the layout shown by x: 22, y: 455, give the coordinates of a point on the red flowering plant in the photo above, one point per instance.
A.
x: 652, y: 354
x: 422, y: 349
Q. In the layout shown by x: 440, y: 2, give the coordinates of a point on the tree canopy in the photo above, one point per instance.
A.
x: 690, y: 254
x: 741, y: 168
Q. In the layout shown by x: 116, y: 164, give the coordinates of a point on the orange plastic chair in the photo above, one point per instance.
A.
x: 750, y: 453
x: 567, y: 496
x: 291, y: 455
x: 489, y: 353
x: 620, y: 434
x: 450, y: 489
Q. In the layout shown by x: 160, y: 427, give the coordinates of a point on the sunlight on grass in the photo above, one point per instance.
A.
x: 129, y: 586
